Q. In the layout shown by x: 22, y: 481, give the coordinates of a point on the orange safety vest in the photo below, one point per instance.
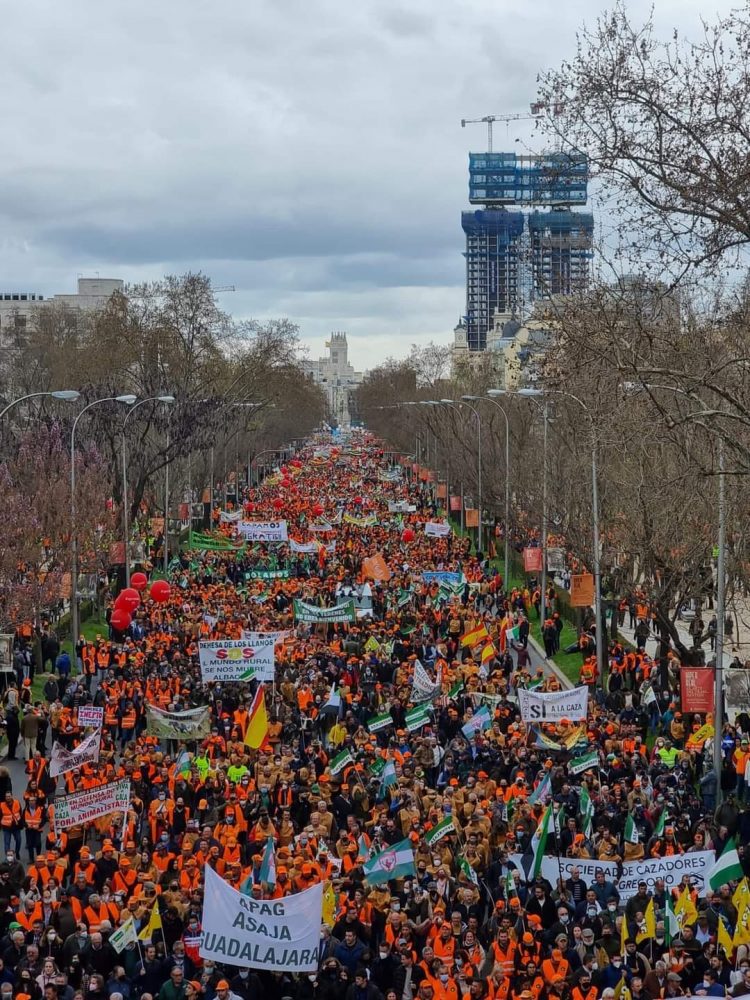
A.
x: 10, y: 815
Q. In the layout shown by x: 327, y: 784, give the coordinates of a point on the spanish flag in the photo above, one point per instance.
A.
x: 476, y: 636
x: 257, y: 723
x: 488, y: 652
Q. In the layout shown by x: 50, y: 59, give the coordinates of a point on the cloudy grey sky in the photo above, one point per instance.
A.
x: 307, y: 151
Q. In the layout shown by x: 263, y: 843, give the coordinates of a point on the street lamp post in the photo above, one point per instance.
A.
x: 128, y: 400
x: 720, y: 584
x: 457, y: 407
x: 477, y: 414
x: 490, y: 395
x: 600, y: 651
x: 125, y: 515
x: 68, y: 395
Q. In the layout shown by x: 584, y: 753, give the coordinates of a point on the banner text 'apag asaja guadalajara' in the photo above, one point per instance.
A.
x: 273, y: 934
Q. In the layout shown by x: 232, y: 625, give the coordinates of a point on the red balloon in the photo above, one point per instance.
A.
x: 286, y: 483
x: 120, y: 620
x: 139, y: 581
x: 407, y: 535
x: 296, y: 463
x: 129, y: 598
x: 358, y: 500
x: 318, y: 509
x: 284, y: 470
x: 278, y: 503
x: 160, y: 591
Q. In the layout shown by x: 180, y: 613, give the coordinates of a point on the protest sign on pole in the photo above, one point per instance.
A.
x: 532, y: 559
x: 235, y: 659
x: 263, y: 531
x: 90, y: 716
x: 81, y: 807
x: 697, y: 689
x: 553, y: 705
x: 276, y: 934
x: 582, y: 590
x: 193, y: 724
x: 63, y: 760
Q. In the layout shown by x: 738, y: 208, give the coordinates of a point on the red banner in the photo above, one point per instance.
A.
x: 442, y: 491
x: 116, y: 553
x: 471, y: 517
x: 456, y: 503
x: 184, y: 511
x: 697, y: 689
x: 532, y: 560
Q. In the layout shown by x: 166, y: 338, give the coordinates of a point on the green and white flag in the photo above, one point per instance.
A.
x: 542, y: 791
x: 648, y: 695
x: 660, y: 824
x: 418, y: 717
x: 394, y: 862
x: 632, y: 835
x: 727, y: 868
x: 559, y: 820
x: 578, y: 764
x: 533, y: 856
x: 423, y: 687
x: 377, y: 767
x: 339, y: 762
x: 671, y: 923
x: 378, y: 722
x: 510, y: 885
x: 124, y: 935
x: 440, y: 830
x: 465, y: 867
x: 267, y: 873
x: 586, y: 807
x: 388, y: 777
x: 479, y: 721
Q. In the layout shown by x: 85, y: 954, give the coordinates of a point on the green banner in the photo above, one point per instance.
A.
x: 211, y: 543
x: 311, y: 613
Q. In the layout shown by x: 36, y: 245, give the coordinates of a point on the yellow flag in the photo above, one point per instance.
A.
x: 329, y: 905
x: 742, y: 930
x: 648, y: 929
x: 623, y: 934
x: 153, y: 925
x: 741, y: 894
x: 723, y: 939
x: 684, y: 909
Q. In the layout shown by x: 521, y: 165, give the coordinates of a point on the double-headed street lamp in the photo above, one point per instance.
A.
x: 125, y: 515
x: 128, y: 400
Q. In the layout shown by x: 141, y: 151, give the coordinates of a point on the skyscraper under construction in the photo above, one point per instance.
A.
x: 513, y: 258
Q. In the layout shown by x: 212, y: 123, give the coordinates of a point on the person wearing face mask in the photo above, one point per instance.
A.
x: 246, y: 985
x: 611, y: 974
x: 383, y: 969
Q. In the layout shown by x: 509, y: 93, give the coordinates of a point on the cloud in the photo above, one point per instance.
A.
x: 308, y: 152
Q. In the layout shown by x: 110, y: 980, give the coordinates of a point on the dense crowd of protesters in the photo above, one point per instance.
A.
x: 472, y: 920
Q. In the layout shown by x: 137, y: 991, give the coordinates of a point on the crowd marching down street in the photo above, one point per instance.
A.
x: 322, y: 761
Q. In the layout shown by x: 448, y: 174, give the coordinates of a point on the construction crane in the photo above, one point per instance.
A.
x: 538, y: 111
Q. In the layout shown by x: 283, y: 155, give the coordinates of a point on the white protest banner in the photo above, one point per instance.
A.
x: 697, y: 865
x: 303, y: 548
x: 553, y: 705
x: 264, y: 672
x: 555, y: 560
x: 63, y: 760
x: 235, y: 659
x: 193, y: 724
x: 321, y: 526
x: 81, y: 807
x: 436, y: 529
x: 230, y: 516
x: 90, y: 716
x: 648, y: 870
x: 401, y: 507
x: 275, y: 934
x: 262, y: 531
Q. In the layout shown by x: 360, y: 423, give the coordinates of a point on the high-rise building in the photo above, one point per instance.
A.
x: 514, y: 260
